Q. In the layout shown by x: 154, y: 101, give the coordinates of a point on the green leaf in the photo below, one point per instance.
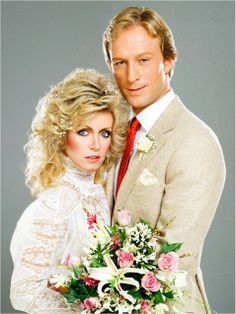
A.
x: 74, y: 282
x: 166, y: 247
x: 98, y: 254
x: 135, y: 293
x: 112, y: 229
x: 71, y: 296
x: 97, y: 263
x: 77, y: 273
x: 79, y: 290
x: 93, y: 291
x: 122, y: 235
x: 157, y: 297
x: 82, y: 291
x: 169, y: 294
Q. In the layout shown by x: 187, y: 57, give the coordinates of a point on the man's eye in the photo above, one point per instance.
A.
x: 82, y: 132
x: 143, y: 60
x: 106, y: 134
x: 119, y: 63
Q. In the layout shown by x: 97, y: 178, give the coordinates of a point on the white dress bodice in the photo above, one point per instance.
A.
x: 50, y: 228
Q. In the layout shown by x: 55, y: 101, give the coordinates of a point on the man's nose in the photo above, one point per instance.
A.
x: 95, y: 144
x: 133, y: 73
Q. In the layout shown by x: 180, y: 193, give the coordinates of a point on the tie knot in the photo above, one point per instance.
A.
x: 135, y: 125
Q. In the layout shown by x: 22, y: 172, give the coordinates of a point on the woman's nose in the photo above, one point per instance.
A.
x: 95, y: 145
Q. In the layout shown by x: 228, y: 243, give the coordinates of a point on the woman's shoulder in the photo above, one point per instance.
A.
x: 53, y: 203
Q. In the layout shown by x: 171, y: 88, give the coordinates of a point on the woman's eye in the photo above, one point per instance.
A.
x: 106, y: 134
x: 82, y: 132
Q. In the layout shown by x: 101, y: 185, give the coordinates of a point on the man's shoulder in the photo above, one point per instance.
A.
x: 190, y: 125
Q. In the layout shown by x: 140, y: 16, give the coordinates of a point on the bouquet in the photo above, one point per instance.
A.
x: 125, y: 270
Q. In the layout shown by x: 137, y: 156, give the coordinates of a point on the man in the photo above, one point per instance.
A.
x: 174, y: 176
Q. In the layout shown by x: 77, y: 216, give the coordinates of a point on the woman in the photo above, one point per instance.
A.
x: 78, y: 132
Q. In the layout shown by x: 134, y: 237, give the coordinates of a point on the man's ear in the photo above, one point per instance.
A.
x: 168, y: 65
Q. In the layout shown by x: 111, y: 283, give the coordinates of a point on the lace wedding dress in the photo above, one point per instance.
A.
x: 52, y: 227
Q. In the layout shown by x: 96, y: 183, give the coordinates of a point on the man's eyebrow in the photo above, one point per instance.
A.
x: 147, y: 53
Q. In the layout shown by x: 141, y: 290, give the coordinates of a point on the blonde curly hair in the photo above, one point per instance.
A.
x: 79, y: 96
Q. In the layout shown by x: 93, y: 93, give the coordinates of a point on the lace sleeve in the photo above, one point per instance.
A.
x: 38, y: 240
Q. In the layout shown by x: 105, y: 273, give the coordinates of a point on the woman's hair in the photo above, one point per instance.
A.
x: 79, y: 96
x: 150, y: 20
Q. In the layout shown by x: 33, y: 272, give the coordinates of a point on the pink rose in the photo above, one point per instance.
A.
x: 124, y: 217
x: 169, y: 261
x: 125, y: 259
x: 90, y: 303
x: 145, y: 306
x: 150, y: 283
x: 71, y: 261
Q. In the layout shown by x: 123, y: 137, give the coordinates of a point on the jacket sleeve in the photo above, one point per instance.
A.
x: 194, y: 181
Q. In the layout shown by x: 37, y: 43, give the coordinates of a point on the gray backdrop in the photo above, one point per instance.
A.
x: 43, y: 41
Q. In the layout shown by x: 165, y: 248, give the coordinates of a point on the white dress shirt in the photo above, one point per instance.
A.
x: 146, y: 118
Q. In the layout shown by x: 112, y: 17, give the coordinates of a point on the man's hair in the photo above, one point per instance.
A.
x: 150, y: 20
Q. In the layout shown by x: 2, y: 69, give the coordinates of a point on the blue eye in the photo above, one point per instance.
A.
x: 106, y: 134
x: 82, y: 132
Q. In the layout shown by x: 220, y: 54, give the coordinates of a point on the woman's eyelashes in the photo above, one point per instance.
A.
x: 106, y: 133
x: 85, y: 132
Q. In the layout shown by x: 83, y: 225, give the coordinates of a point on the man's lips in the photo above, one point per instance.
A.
x: 136, y: 90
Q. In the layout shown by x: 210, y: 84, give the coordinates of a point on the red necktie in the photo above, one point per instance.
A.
x: 134, y: 126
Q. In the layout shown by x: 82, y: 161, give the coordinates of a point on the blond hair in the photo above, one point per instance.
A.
x: 79, y: 96
x: 150, y: 20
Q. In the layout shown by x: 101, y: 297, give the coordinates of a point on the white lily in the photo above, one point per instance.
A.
x: 106, y: 274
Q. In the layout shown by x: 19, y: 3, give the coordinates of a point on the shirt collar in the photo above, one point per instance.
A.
x: 149, y: 115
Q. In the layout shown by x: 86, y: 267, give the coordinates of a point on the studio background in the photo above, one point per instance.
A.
x: 44, y: 41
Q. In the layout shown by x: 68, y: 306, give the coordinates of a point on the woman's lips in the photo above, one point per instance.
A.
x: 93, y: 159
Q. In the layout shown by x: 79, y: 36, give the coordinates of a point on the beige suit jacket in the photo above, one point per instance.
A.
x: 182, y: 177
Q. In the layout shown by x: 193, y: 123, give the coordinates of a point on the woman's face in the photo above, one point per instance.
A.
x: 88, y: 147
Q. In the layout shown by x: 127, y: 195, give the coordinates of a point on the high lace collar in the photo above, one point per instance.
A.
x: 70, y: 167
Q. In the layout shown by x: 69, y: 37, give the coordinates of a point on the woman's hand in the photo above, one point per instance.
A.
x: 59, y: 289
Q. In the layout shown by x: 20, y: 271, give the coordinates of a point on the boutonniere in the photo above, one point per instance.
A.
x: 146, y: 143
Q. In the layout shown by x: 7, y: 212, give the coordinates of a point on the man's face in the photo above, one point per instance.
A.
x: 139, y: 67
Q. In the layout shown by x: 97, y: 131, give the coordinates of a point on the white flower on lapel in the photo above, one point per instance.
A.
x: 146, y: 143
x: 147, y: 178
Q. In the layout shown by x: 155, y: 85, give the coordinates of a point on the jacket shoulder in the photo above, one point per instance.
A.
x: 193, y: 128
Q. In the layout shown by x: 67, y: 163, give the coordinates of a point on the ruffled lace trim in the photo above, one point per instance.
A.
x: 70, y: 167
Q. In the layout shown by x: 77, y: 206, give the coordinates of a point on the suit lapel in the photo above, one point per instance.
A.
x: 163, y: 125
x: 110, y: 186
